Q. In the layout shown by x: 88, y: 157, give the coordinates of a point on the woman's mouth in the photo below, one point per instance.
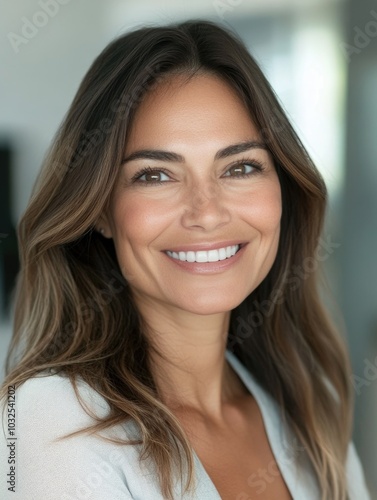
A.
x: 205, y: 256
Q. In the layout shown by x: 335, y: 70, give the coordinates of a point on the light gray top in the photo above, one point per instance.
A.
x: 87, y: 467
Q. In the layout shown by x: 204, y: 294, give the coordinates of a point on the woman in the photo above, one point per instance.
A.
x: 163, y: 345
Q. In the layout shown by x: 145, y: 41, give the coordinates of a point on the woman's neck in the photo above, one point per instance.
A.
x: 190, y: 369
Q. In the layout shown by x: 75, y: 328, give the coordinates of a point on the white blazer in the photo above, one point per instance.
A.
x: 88, y: 468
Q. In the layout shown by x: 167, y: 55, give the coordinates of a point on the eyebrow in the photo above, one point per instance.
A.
x: 160, y: 155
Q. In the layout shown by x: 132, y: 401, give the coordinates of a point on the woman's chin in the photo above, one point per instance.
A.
x: 207, y: 307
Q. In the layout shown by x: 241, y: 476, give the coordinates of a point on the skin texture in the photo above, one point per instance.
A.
x: 200, y: 200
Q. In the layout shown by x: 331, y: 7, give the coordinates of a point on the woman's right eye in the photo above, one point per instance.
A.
x: 150, y: 176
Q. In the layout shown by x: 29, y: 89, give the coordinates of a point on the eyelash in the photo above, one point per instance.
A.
x: 258, y: 166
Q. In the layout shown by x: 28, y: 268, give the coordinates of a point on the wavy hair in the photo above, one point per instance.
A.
x: 74, y: 312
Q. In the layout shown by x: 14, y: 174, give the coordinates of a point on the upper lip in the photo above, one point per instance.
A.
x: 196, y: 247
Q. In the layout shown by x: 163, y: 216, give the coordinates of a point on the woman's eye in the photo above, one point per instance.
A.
x: 153, y: 176
x: 240, y: 170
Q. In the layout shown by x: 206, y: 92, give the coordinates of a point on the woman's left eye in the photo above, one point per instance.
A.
x: 241, y: 170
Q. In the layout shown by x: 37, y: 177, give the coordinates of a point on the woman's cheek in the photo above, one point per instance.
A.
x: 262, y: 210
x: 138, y: 215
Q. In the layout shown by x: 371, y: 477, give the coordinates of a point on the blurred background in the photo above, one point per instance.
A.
x: 321, y: 58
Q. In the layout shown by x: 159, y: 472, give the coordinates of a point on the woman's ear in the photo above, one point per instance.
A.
x: 103, y: 226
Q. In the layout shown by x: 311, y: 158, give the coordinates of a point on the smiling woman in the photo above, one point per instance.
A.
x: 174, y: 202
x: 210, y: 214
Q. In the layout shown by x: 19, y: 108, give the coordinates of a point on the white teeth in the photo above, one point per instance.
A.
x: 222, y: 254
x: 204, y: 256
x: 190, y: 256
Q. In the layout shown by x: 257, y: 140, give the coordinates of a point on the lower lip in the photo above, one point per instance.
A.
x: 208, y: 267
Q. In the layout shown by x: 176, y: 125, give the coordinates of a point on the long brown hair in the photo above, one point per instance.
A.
x: 74, y: 312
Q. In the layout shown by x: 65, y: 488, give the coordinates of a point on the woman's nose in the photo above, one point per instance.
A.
x: 205, y: 208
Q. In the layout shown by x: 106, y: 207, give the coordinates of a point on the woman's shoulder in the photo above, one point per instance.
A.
x: 52, y: 398
x: 51, y: 465
x: 82, y: 466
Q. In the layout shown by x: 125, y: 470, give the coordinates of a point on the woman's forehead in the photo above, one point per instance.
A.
x: 203, y: 109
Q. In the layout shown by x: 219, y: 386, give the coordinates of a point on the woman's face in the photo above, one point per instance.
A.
x: 196, y: 177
